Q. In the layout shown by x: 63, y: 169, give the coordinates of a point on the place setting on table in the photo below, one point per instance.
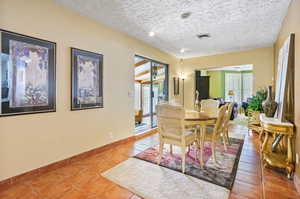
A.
x: 195, y: 148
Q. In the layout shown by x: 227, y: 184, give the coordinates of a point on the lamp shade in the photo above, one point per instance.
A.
x: 231, y: 93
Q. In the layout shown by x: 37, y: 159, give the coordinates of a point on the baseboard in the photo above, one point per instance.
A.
x: 297, y: 183
x: 146, y: 133
x: 39, y: 171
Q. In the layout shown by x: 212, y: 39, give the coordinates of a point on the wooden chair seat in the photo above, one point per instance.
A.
x: 188, y: 136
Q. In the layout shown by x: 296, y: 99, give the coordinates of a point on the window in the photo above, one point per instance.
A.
x: 137, y: 94
x: 233, y: 82
x: 240, y: 83
x: 146, y: 99
x: 247, y: 85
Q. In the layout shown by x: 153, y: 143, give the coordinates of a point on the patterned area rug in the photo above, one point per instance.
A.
x: 154, y: 182
x: 222, y: 174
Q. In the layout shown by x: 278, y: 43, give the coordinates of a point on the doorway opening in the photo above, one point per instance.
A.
x: 150, y: 89
x: 230, y: 83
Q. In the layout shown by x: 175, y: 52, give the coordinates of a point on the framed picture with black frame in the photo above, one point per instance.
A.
x: 27, y: 74
x: 87, y: 80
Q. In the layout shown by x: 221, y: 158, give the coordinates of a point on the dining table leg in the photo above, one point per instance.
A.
x: 198, y: 142
x: 202, y: 136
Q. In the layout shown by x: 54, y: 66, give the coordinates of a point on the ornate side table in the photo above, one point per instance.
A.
x: 283, y: 157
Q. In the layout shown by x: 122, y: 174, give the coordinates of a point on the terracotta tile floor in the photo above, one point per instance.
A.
x: 81, y: 180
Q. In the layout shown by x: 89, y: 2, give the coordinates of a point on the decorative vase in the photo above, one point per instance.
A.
x: 269, y: 105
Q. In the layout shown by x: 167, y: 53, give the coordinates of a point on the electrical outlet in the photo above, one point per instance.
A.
x: 297, y: 158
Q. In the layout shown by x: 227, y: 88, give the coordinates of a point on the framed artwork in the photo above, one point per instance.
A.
x: 87, y: 80
x: 176, y: 85
x: 27, y: 74
x: 285, y: 59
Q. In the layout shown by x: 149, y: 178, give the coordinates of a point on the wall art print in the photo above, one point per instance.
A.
x: 27, y: 74
x: 285, y: 61
x: 87, y: 88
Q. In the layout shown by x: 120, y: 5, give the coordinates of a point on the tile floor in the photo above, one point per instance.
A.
x: 81, y: 180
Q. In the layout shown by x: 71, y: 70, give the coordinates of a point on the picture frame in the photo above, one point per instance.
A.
x: 285, y: 61
x: 176, y: 85
x: 27, y: 74
x: 87, y: 80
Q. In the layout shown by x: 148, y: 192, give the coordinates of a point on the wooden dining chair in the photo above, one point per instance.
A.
x: 172, y: 131
x: 213, y: 134
x: 225, y: 132
x: 210, y: 106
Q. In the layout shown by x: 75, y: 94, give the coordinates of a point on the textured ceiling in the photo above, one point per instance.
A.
x: 234, y: 25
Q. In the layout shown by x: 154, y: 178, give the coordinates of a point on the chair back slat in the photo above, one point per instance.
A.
x: 170, y: 119
x: 220, y: 121
x: 228, y: 114
x: 210, y: 106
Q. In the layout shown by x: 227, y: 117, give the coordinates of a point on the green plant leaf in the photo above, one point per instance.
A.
x: 256, y: 101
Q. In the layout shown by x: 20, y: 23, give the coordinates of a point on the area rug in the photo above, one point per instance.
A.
x: 241, y: 120
x: 151, y: 181
x: 222, y: 174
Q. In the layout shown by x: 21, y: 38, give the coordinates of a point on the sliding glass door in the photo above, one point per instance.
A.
x: 159, y: 87
x: 151, y: 88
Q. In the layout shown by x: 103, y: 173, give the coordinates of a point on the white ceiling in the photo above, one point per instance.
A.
x: 234, y: 25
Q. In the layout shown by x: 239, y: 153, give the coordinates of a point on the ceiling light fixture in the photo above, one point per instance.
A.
x: 182, y: 50
x: 203, y: 35
x: 151, y: 34
x: 185, y: 15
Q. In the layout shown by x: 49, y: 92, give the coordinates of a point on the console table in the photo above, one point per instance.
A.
x: 283, y: 158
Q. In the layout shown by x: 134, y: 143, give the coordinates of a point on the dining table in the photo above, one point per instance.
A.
x: 200, y: 120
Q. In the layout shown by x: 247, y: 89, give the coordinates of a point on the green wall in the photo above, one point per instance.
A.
x: 216, y: 84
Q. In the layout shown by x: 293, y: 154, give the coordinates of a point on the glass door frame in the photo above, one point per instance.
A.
x: 152, y: 62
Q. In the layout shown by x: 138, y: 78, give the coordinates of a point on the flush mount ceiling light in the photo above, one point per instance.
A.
x: 203, y: 35
x: 182, y: 50
x: 185, y: 15
x: 151, y: 34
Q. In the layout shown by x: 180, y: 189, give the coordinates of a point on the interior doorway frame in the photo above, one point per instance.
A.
x: 152, y: 63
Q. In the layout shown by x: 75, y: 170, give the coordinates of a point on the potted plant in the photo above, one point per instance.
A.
x: 255, y: 108
x: 255, y: 103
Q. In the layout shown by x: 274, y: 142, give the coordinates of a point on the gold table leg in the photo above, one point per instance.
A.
x: 284, y: 157
x: 290, y: 167
x: 264, y: 145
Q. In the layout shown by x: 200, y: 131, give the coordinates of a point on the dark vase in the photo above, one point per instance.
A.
x: 269, y: 105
